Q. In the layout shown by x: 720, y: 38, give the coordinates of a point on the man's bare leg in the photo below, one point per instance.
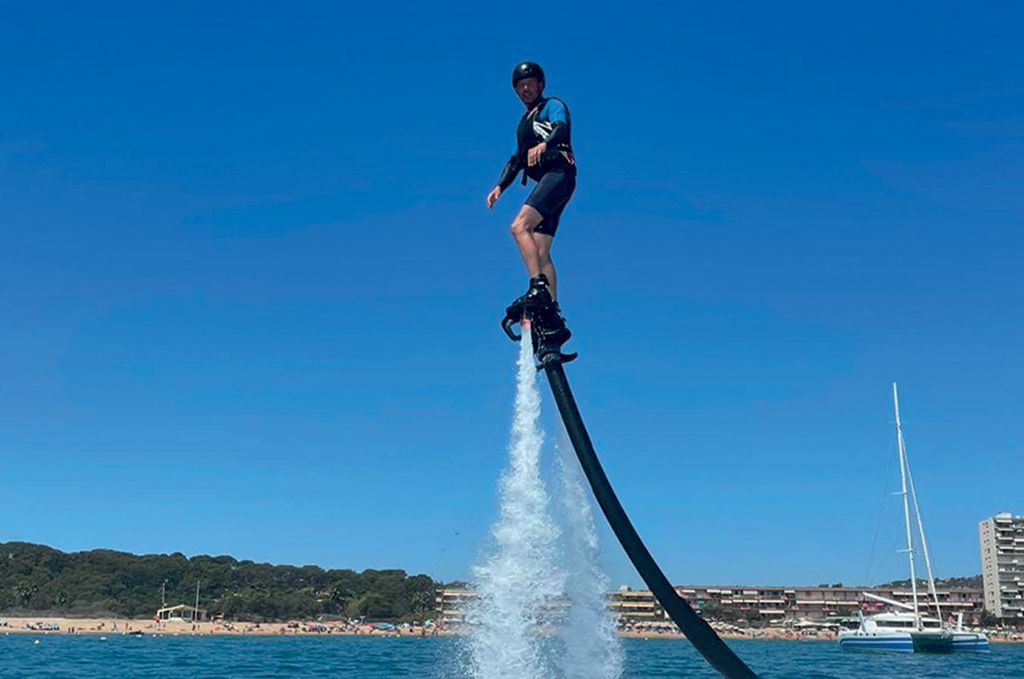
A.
x: 522, y: 230
x: 547, y: 267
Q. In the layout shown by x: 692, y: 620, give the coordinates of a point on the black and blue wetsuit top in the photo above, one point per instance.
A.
x: 547, y: 121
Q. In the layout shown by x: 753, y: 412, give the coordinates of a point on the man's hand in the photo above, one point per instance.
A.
x: 534, y: 154
x: 493, y: 197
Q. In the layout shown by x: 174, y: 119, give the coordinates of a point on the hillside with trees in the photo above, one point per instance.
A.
x: 968, y: 582
x: 40, y: 579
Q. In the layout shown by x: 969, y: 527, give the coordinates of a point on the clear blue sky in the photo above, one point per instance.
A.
x: 250, y: 290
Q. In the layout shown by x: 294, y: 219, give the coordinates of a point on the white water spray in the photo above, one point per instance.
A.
x: 528, y: 585
x: 520, y: 580
x: 592, y: 648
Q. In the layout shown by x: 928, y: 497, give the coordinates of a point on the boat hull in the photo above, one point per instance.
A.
x: 900, y: 643
x: 968, y: 642
x: 925, y: 642
x: 904, y: 642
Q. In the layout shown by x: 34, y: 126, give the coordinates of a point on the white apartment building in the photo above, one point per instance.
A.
x: 1002, y: 564
x: 639, y: 607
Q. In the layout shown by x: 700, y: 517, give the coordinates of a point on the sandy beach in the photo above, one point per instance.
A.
x: 122, y: 626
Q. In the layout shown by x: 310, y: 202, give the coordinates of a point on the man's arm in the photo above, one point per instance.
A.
x: 556, y: 113
x: 508, y: 175
x: 559, y: 134
x: 509, y: 172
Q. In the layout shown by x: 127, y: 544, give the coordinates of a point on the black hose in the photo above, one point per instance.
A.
x: 696, y: 629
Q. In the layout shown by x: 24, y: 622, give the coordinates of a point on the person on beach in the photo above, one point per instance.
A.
x: 543, y: 154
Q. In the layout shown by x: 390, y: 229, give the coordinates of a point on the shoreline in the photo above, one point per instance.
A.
x: 103, y: 627
x: 46, y: 625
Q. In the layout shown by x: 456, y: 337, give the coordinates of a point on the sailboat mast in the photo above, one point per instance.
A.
x: 906, y: 504
x: 924, y: 543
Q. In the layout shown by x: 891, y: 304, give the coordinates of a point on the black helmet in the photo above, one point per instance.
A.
x: 527, y: 69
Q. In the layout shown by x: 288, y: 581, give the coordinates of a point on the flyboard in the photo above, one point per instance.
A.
x: 547, y: 348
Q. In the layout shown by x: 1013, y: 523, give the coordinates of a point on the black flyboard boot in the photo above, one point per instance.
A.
x: 538, y: 295
x: 536, y: 299
x: 547, y: 326
x: 549, y: 334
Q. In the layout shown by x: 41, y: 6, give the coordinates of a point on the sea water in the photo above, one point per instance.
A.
x: 435, y: 658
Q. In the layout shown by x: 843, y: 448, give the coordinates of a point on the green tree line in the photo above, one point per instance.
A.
x: 967, y: 582
x: 39, y: 579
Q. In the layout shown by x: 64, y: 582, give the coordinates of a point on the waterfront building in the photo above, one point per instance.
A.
x: 1001, y: 539
x: 782, y: 603
x: 633, y: 607
x: 777, y: 604
x: 452, y: 603
x: 182, y: 613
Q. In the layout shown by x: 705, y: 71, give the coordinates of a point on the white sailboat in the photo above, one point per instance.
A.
x: 908, y: 630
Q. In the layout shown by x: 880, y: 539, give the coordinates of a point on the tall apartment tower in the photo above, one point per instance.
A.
x: 1002, y: 564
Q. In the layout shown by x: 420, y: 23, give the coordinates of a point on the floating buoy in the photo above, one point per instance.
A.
x: 37, y: 642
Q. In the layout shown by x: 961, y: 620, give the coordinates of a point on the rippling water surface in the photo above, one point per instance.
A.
x: 380, y: 658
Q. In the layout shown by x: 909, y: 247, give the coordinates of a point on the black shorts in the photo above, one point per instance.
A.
x: 550, y: 196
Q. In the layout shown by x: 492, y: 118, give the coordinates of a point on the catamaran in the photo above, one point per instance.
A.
x: 908, y: 630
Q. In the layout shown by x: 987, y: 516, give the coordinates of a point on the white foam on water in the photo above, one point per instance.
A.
x: 518, y: 581
x: 592, y: 649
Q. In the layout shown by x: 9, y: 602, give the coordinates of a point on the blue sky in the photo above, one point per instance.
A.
x: 250, y: 290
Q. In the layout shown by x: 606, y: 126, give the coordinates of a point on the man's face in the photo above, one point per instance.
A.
x: 528, y: 90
